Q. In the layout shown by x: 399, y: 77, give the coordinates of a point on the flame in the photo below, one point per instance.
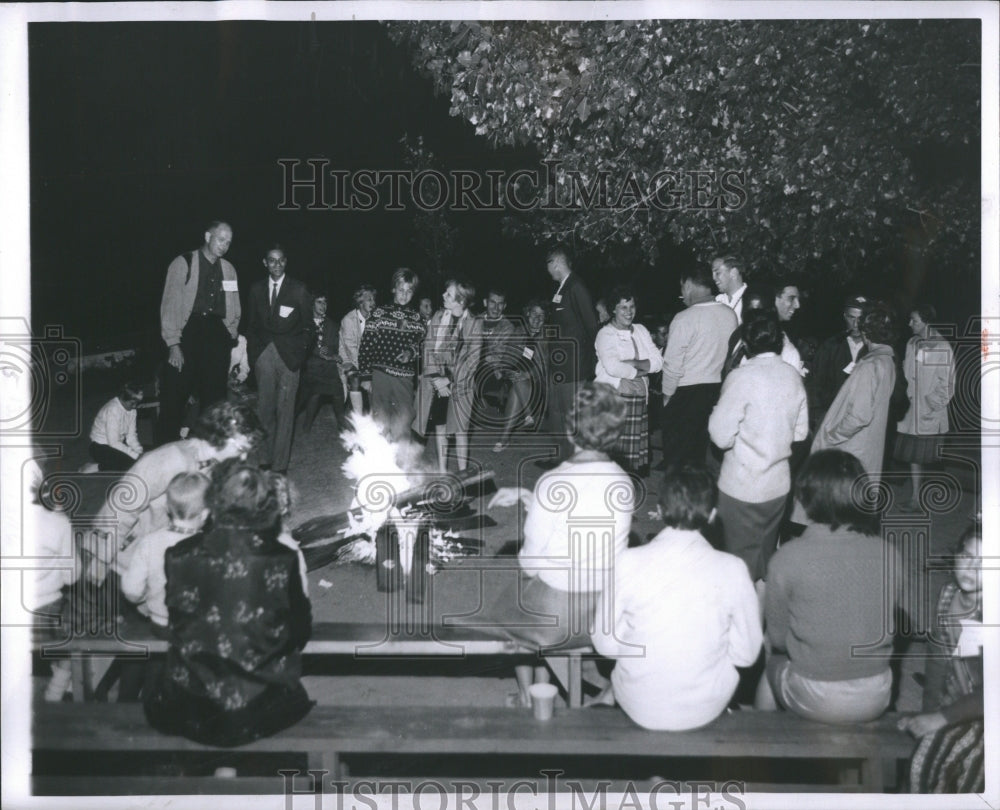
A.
x: 378, y: 466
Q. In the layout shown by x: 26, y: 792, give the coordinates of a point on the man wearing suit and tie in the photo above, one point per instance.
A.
x: 573, y: 315
x: 278, y: 338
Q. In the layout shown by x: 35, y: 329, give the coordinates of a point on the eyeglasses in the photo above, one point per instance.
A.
x: 273, y: 260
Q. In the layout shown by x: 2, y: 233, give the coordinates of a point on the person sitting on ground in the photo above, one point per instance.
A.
x: 222, y: 432
x: 565, y: 563
x: 114, y: 444
x: 144, y: 581
x: 950, y: 756
x: 828, y: 591
x: 238, y: 620
x: 528, y: 381
x: 684, y: 616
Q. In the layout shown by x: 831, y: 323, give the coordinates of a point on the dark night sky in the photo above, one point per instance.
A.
x: 142, y: 133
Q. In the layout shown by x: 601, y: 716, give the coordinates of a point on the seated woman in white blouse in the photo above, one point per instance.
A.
x: 576, y: 524
x: 684, y: 616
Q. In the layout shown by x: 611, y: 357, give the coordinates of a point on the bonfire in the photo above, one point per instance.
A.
x: 391, y: 485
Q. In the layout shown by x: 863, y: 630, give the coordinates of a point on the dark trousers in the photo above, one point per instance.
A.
x: 206, y: 345
x: 562, y: 396
x: 685, y: 423
x: 110, y: 460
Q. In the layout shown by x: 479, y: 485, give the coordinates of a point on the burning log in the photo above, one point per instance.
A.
x: 442, y: 501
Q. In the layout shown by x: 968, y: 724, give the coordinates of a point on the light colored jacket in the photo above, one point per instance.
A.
x: 929, y: 367
x: 179, y: 293
x: 762, y: 409
x: 857, y: 417
x: 617, y: 345
x: 685, y: 617
x: 351, y: 331
x: 460, y: 361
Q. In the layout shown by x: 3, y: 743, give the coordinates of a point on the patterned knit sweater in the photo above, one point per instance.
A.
x: 391, y: 341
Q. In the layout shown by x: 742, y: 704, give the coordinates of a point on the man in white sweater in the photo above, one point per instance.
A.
x: 692, y: 367
x: 762, y: 409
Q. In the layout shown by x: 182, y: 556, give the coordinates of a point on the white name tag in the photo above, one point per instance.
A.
x: 557, y: 299
x: 230, y: 285
x: 849, y: 367
x: 971, y: 641
x: 528, y: 352
x: 284, y: 311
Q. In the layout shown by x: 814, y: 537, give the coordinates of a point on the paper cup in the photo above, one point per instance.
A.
x: 543, y: 697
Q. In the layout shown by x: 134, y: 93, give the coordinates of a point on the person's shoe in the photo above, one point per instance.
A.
x: 282, y: 471
x: 548, y: 464
x: 265, y: 467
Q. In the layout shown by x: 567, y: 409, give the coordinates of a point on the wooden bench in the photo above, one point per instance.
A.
x: 328, y: 733
x: 372, y: 640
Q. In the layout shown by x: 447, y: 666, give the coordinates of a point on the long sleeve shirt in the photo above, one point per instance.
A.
x: 145, y: 582
x: 391, y: 341
x: 114, y: 426
x: 929, y: 368
x: 857, y: 417
x: 48, y: 536
x: 685, y: 616
x: 615, y: 346
x: 762, y: 409
x: 697, y: 345
x: 830, y: 603
x: 577, y: 525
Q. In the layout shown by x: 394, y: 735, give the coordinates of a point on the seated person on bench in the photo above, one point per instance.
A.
x: 829, y: 591
x: 238, y: 620
x: 684, y: 616
x: 564, y: 564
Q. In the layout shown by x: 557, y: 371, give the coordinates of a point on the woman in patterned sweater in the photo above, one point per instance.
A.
x: 238, y: 620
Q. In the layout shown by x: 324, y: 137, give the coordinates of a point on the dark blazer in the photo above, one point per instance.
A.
x: 291, y: 334
x: 827, y: 375
x: 576, y: 320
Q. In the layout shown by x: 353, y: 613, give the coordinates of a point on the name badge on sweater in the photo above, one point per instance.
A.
x: 230, y: 285
x: 284, y: 311
x: 557, y: 299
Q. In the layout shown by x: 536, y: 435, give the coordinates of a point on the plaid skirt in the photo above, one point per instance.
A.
x: 917, y: 449
x: 632, y: 447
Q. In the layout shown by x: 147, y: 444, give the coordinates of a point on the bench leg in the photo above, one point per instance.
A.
x: 78, y: 664
x: 575, y: 686
x: 872, y: 777
x: 328, y: 761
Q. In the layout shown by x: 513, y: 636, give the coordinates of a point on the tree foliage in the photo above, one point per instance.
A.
x: 857, y: 140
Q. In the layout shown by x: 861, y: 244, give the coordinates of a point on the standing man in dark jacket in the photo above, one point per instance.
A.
x: 835, y: 359
x: 278, y: 338
x: 571, y: 353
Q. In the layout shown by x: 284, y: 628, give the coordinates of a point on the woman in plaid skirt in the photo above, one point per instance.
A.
x: 626, y: 356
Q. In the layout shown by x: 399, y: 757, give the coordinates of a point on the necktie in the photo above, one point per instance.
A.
x: 274, y: 292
